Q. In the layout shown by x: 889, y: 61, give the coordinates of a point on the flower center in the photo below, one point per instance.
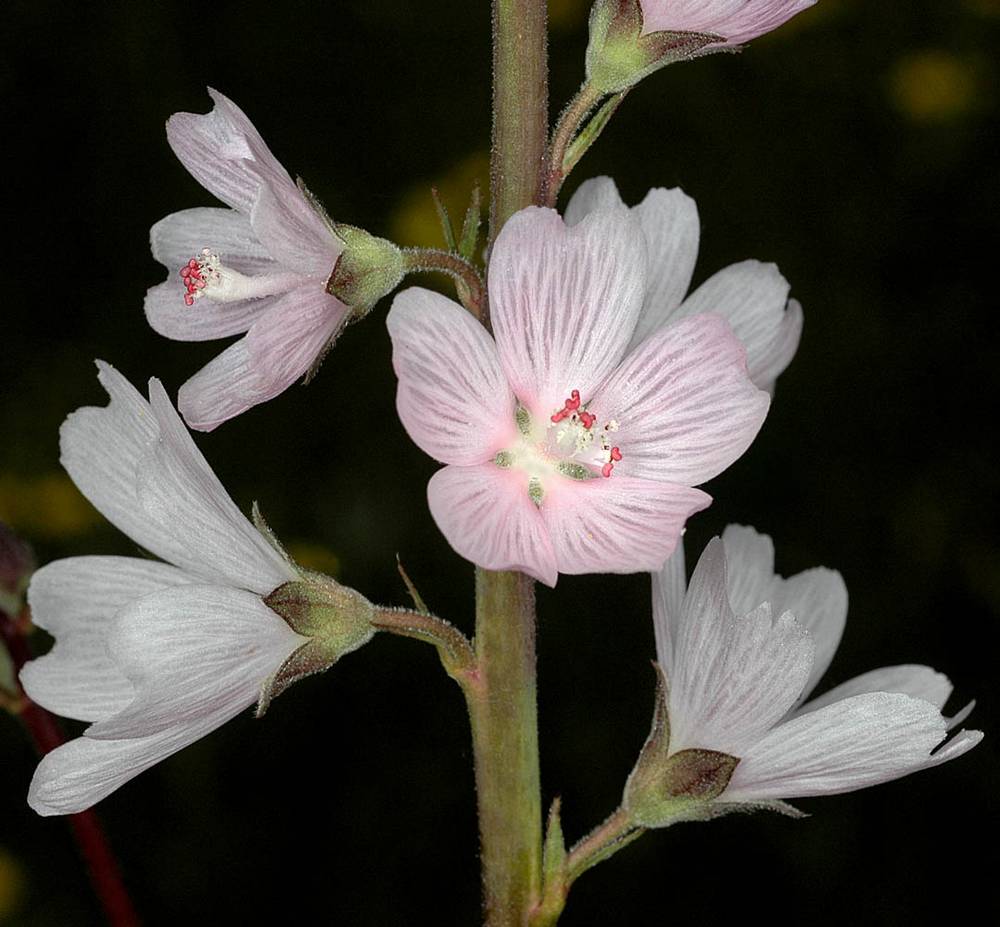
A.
x: 206, y: 275
x: 571, y: 445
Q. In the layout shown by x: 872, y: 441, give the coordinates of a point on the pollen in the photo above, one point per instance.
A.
x: 198, y: 273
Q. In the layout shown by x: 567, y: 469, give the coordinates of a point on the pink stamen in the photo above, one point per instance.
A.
x: 587, y: 419
x: 607, y: 468
x: 616, y: 454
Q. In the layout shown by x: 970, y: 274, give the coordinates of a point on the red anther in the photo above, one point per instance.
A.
x: 616, y: 454
x: 193, y: 263
x: 587, y: 419
x: 188, y: 299
x: 573, y: 403
x: 559, y: 416
x: 607, y: 468
x: 185, y: 271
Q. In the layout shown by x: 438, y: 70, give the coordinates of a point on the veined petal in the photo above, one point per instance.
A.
x: 669, y: 589
x: 752, y: 297
x: 737, y: 20
x: 186, y: 649
x: 733, y: 678
x: 453, y: 397
x: 293, y: 232
x: 76, y: 600
x: 82, y: 772
x: 616, y: 525
x: 487, y: 516
x: 564, y: 301
x: 853, y: 743
x: 176, y: 238
x: 224, y: 152
x: 911, y: 679
x: 205, y: 320
x: 817, y: 597
x: 280, y: 347
x: 686, y: 406
x: 592, y: 195
x: 669, y: 220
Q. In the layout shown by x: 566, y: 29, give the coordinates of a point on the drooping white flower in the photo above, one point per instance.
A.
x: 751, y: 296
x: 741, y: 648
x: 153, y: 654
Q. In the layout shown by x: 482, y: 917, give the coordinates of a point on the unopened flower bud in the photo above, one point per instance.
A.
x: 17, y: 563
x: 336, y: 620
x: 619, y: 55
x: 368, y: 268
x: 665, y: 787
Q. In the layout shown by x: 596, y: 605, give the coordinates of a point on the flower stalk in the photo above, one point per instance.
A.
x: 468, y: 281
x: 566, y: 131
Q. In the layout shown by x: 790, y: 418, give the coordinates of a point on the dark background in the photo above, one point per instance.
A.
x: 856, y: 148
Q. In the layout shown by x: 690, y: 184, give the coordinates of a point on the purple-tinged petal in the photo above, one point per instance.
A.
x: 453, y: 397
x: 684, y: 402
x: 733, y: 677
x: 280, y: 347
x: 752, y: 297
x: 564, y: 301
x: 737, y: 20
x: 486, y: 515
x: 76, y: 601
x: 185, y: 650
x: 616, y: 525
x: 293, y: 232
x: 853, y: 743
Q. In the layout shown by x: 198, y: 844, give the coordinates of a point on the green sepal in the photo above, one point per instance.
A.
x: 470, y: 226
x: 368, y: 268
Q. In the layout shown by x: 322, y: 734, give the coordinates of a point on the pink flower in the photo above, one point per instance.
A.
x: 738, y: 21
x: 751, y: 296
x: 566, y: 453
x: 742, y: 648
x: 258, y: 267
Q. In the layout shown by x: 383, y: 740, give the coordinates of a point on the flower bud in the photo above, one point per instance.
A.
x: 619, y: 55
x: 336, y: 620
x: 17, y: 563
x: 368, y: 268
x: 666, y: 787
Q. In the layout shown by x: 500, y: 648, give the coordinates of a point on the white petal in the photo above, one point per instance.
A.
x: 817, y: 597
x: 592, y: 195
x: 487, y: 516
x: 564, y: 301
x: 752, y: 297
x: 616, y: 525
x: 177, y: 238
x: 669, y: 220
x: 860, y: 741
x: 186, y: 650
x: 205, y: 320
x: 293, y: 232
x: 669, y: 589
x: 453, y: 397
x: 909, y: 679
x: 76, y: 600
x: 734, y: 678
x: 685, y: 404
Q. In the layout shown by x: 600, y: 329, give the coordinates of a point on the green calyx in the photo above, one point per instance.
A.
x: 666, y: 787
x: 368, y: 269
x: 619, y: 55
x: 334, y: 619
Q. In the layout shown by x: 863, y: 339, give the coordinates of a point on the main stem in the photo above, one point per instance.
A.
x: 504, y: 708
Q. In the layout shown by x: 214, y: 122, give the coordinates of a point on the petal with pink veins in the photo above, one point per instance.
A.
x: 737, y: 21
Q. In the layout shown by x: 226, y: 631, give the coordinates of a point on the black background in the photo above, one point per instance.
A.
x: 856, y: 148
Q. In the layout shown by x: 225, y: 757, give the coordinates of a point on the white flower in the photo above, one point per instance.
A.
x: 741, y: 648
x: 154, y: 654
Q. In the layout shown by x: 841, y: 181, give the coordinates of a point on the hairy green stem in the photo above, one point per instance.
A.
x: 565, y: 131
x: 467, y: 279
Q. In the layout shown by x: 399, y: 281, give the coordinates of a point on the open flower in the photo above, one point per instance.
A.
x: 737, y: 21
x: 258, y: 267
x: 751, y: 296
x: 740, y: 650
x: 567, y: 453
x: 154, y: 654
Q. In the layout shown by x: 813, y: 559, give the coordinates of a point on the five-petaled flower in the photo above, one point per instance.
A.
x: 737, y: 21
x: 259, y: 267
x: 742, y: 648
x: 566, y: 452
x: 154, y: 655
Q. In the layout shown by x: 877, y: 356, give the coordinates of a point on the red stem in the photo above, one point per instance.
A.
x: 102, y: 867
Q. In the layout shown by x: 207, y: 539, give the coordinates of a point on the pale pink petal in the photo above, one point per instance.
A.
x: 279, y: 348
x: 293, y: 232
x: 453, y: 397
x: 211, y: 537
x: 733, y: 678
x: 752, y: 297
x: 205, y: 320
x: 75, y: 600
x: 592, y: 195
x: 564, y: 301
x: 616, y: 525
x: 684, y: 402
x: 669, y: 220
x: 737, y: 21
x: 176, y: 238
x: 853, y: 743
x: 669, y: 589
x: 486, y: 515
x: 186, y: 649
x: 817, y: 597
